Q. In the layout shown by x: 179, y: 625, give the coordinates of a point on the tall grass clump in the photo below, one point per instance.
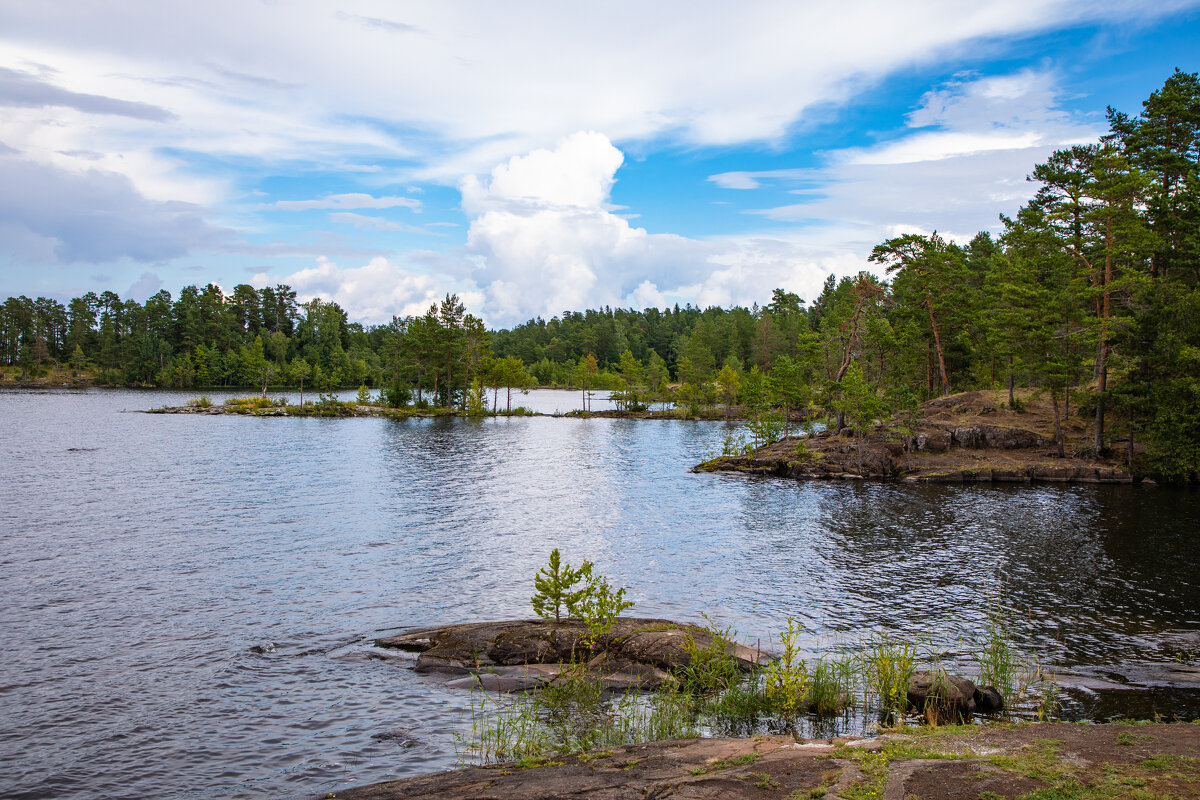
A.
x: 570, y: 715
x: 833, y: 682
x: 999, y: 664
x: 712, y: 668
x: 888, y: 663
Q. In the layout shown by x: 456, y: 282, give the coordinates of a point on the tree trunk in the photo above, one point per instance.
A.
x: 509, y: 406
x: 1102, y: 350
x: 1058, y: 435
x: 1010, y: 383
x: 1130, y: 439
x: 937, y: 341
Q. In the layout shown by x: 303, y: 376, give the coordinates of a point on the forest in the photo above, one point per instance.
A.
x: 1090, y: 295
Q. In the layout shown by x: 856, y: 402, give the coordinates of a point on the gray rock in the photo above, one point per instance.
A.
x: 988, y: 700
x: 520, y: 654
x: 941, y: 696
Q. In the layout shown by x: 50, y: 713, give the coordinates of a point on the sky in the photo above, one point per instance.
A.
x: 536, y: 157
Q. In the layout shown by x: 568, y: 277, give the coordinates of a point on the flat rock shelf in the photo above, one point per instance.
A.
x: 1000, y: 761
x: 522, y: 654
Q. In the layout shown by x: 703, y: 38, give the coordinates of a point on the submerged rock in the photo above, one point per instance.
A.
x: 523, y: 654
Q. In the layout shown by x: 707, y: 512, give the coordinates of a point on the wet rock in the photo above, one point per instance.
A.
x: 988, y: 700
x: 521, y: 654
x: 401, y: 736
x: 941, y: 696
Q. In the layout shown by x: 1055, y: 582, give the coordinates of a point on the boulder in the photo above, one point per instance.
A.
x: 940, y: 696
x: 936, y: 441
x: 988, y: 700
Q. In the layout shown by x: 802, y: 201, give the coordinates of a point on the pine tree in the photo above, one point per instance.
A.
x: 555, y: 587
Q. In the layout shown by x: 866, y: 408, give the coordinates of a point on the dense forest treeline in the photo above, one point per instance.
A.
x: 1091, y: 294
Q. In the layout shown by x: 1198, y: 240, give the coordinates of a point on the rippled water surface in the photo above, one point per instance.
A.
x: 188, y: 601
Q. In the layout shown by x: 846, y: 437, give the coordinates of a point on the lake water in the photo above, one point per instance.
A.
x: 188, y: 601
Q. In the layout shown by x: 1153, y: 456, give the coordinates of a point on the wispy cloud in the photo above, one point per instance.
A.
x: 21, y: 89
x: 366, y: 223
x: 379, y: 23
x: 349, y: 201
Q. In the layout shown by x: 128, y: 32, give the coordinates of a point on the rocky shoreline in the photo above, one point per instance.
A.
x: 1003, y: 760
x: 963, y: 438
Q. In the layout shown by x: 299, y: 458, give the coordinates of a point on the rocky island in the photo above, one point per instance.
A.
x: 524, y: 654
x: 962, y: 437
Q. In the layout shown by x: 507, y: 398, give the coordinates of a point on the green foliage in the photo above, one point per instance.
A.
x: 888, y: 665
x: 476, y: 403
x: 363, y: 397
x: 570, y: 715
x: 787, y: 678
x: 998, y: 661
x: 765, y: 428
x: 711, y: 668
x: 555, y: 586
x: 397, y: 395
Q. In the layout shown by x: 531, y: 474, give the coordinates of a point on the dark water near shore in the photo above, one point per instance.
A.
x: 187, y: 601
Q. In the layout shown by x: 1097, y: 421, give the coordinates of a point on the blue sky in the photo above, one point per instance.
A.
x: 535, y: 157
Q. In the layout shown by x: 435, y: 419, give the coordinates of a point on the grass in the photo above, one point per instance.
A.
x: 831, y: 685
x: 888, y: 663
x: 570, y: 716
x: 713, y: 695
x: 998, y: 661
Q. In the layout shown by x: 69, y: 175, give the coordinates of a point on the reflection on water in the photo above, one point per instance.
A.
x: 188, y: 599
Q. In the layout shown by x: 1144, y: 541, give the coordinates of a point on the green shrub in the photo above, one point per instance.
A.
x: 786, y: 677
x: 712, y: 668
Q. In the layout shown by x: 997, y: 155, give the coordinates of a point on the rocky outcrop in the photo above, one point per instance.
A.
x: 960, y: 439
x: 523, y: 654
x: 1009, y: 761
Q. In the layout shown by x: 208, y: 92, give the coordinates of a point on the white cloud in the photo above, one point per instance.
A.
x: 457, y: 88
x: 366, y: 223
x: 95, y: 216
x: 144, y: 287
x: 543, y: 240
x: 349, y: 201
x: 961, y: 161
x: 646, y: 295
x: 371, y: 293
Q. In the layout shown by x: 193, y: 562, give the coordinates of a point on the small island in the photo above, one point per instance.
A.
x: 962, y: 437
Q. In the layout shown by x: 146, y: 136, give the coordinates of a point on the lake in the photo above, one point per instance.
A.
x: 188, y: 601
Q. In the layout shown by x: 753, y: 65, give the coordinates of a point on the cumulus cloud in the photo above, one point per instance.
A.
x: 371, y: 293
x: 543, y: 240
x: 349, y: 201
x: 144, y: 287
